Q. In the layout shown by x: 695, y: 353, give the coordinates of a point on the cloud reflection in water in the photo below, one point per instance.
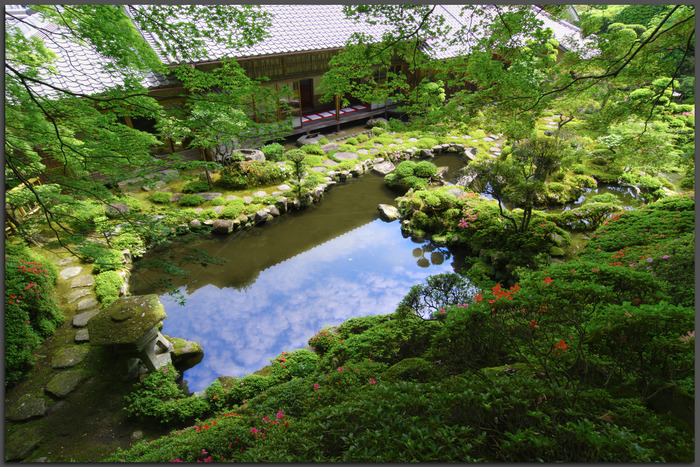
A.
x: 366, y: 271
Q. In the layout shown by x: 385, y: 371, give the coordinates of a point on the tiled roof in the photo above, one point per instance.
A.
x: 79, y: 69
x: 295, y: 28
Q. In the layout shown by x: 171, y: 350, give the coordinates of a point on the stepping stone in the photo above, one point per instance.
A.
x: 65, y: 261
x: 81, y: 320
x: 218, y: 209
x: 82, y: 336
x: 69, y: 273
x: 68, y: 358
x: 466, y: 137
x: 488, y: 139
x: 329, y: 162
x: 319, y: 169
x: 27, y: 407
x: 276, y: 193
x: 85, y: 280
x: 232, y: 197
x: 284, y: 188
x: 22, y: 442
x: 209, y: 196
x: 198, y: 210
x: 330, y: 147
x: 377, y: 145
x: 374, y: 151
x: 76, y: 294
x: 398, y: 141
x: 247, y: 199
x: 65, y: 382
x: 261, y: 194
x: 364, y: 152
x: 346, y: 155
x: 176, y: 197
x: 412, y: 140
x: 87, y: 303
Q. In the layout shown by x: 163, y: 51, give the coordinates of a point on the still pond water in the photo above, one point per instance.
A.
x: 285, y: 281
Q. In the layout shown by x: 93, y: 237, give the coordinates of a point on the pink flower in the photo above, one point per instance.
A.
x: 280, y: 414
x: 340, y: 368
x: 316, y: 386
x: 665, y: 257
x: 265, y: 418
x: 649, y: 260
x: 372, y: 381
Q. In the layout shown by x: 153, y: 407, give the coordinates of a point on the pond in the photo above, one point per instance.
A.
x: 285, y: 281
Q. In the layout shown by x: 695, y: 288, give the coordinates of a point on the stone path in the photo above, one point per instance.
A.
x: 79, y: 305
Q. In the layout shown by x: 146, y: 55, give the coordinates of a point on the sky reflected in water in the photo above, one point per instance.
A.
x: 363, y: 272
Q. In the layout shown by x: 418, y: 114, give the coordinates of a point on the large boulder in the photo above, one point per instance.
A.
x: 116, y: 209
x: 222, y: 226
x: 312, y: 138
x: 249, y: 154
x: 372, y: 122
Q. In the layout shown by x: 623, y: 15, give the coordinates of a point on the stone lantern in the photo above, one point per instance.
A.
x: 130, y: 325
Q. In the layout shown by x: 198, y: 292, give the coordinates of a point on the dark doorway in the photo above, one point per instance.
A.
x: 306, y: 95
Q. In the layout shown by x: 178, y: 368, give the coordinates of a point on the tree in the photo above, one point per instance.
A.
x: 75, y: 140
x: 517, y: 181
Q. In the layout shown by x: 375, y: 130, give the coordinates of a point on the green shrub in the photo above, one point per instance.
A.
x: 426, y: 143
x: 107, y: 286
x: 244, y: 174
x: 273, y: 152
x: 191, y: 200
x: 218, y: 201
x: 133, y: 203
x: 160, y: 197
x: 405, y: 169
x: 158, y: 398
x: 323, y: 141
x: 323, y: 341
x: 584, y: 181
x: 103, y: 258
x: 131, y: 241
x: 378, y: 130
x: 207, y: 214
x: 313, y: 149
x: 233, y: 209
x: 195, y: 186
x: 30, y: 312
x: 556, y: 187
x: 425, y: 169
x: 351, y: 141
x: 578, y: 169
x: 362, y: 138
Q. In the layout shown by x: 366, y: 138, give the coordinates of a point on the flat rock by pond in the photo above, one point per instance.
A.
x: 384, y: 168
x: 388, y: 213
x: 318, y: 169
x: 69, y: 357
x: 28, y: 406
x: 70, y: 273
x: 65, y: 382
x: 222, y: 226
x: 284, y: 188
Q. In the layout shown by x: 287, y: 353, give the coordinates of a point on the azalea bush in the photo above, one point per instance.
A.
x: 31, y: 313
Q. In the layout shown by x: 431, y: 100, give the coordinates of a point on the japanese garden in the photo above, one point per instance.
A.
x: 349, y: 233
